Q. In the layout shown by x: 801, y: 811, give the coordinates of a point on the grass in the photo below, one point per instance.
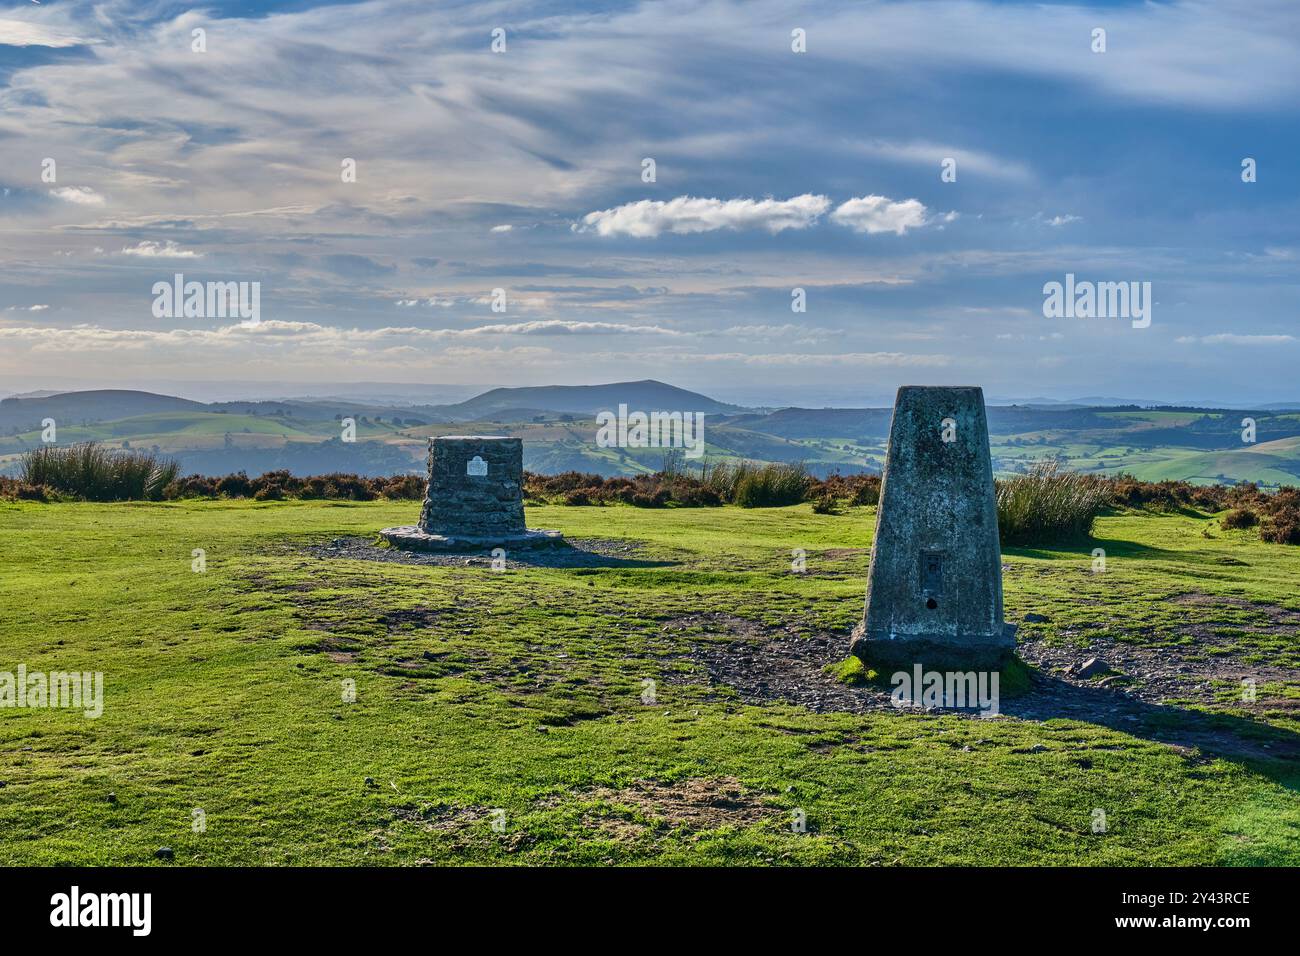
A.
x: 1048, y: 505
x: 751, y: 485
x: 223, y: 694
x: 95, y: 473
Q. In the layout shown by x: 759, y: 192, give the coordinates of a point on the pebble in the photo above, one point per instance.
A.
x: 164, y: 853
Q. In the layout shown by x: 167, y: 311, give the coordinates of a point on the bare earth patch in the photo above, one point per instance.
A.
x: 696, y: 804
x: 460, y: 827
x: 645, y: 809
x: 572, y: 553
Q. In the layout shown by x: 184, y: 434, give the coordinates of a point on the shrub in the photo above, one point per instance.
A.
x: 1239, y: 518
x: 1281, y: 527
x: 696, y: 495
x: 1047, y: 505
x: 403, y: 488
x: 546, y: 486
x: 235, y: 486
x: 868, y: 493
x: 654, y: 499
x: 26, y: 492
x: 192, y: 486
x: 94, y: 473
x: 282, y: 479
x: 826, y: 505
x: 858, y: 489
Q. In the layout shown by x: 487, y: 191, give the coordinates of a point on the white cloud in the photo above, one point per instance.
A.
x: 81, y: 195
x: 153, y: 250
x: 687, y: 214
x: 505, y: 228
x: 873, y: 214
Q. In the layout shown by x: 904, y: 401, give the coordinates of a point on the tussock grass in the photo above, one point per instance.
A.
x: 771, y: 485
x: 1047, y: 505
x: 95, y: 473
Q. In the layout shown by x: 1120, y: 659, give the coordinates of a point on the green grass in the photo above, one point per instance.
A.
x: 521, y: 690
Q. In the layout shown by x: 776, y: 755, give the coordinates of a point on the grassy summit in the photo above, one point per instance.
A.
x: 525, y: 691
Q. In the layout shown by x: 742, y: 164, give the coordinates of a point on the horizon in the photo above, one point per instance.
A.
x: 227, y: 392
x: 591, y: 199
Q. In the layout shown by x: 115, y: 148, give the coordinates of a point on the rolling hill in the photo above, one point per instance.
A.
x: 586, y: 400
x: 94, y: 406
x: 558, y: 427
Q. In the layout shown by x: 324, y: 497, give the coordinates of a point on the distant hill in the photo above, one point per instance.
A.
x: 558, y: 428
x: 587, y: 400
x: 81, y: 407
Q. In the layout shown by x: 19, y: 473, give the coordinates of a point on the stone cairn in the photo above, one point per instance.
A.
x: 474, y: 499
x: 934, y: 590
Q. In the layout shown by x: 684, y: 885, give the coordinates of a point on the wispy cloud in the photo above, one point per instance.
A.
x: 32, y: 33
x: 80, y: 195
x: 149, y: 249
x: 1234, y: 338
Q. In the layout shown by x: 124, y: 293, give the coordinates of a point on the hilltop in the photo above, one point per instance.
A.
x: 587, y: 400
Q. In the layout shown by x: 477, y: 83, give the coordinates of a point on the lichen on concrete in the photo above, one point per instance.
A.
x: 934, y: 592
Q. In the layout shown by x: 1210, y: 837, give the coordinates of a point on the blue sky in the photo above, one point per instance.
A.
x: 522, y: 170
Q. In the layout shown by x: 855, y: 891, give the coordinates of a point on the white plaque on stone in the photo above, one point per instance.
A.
x: 476, y: 467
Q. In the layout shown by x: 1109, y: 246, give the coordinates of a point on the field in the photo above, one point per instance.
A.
x: 508, y: 716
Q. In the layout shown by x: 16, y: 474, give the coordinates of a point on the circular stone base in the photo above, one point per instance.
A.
x: 411, y: 538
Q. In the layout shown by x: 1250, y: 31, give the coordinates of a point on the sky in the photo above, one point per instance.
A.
x: 919, y: 170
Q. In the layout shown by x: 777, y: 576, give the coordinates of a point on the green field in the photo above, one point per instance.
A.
x: 522, y: 691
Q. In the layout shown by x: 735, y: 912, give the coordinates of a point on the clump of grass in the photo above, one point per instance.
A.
x: 761, y: 486
x: 95, y: 473
x: 851, y: 671
x: 1047, y: 505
